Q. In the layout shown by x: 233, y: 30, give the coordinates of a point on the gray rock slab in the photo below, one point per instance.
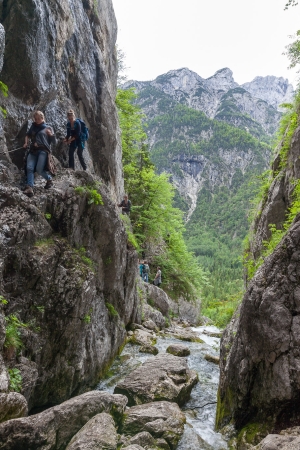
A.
x: 12, y: 406
x: 178, y: 350
x: 98, y: 433
x: 143, y: 439
x: 150, y: 325
x: 163, y: 420
x: 133, y: 447
x: 184, y: 334
x: 158, y: 298
x: 149, y: 349
x: 54, y: 428
x: 154, y: 315
x: 164, y: 377
x: 141, y: 337
x: 212, y: 358
x: 278, y: 442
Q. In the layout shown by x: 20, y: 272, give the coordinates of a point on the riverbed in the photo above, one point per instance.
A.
x: 200, y: 410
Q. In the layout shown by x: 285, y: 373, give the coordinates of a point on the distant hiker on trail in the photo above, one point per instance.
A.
x: 125, y: 205
x: 141, y: 265
x: 38, y: 158
x: 157, y: 279
x: 76, y: 138
x: 146, y: 271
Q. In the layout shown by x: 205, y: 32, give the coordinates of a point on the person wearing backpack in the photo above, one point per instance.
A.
x: 41, y: 136
x: 77, y: 134
x: 146, y: 271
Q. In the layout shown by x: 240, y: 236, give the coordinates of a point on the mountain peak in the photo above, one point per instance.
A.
x: 274, y: 90
x: 222, y: 80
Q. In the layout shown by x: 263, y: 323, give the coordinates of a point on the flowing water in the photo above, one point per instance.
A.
x: 200, y: 410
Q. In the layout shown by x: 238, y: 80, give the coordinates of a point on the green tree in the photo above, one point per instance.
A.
x: 157, y: 226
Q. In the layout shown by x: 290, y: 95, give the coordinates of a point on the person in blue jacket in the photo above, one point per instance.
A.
x: 74, y: 140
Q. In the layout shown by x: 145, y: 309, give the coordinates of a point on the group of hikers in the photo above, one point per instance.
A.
x: 42, y: 137
x: 39, y: 159
x: 145, y: 270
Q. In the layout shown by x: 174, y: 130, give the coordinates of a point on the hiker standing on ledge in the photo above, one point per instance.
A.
x: 125, y: 205
x: 41, y: 136
x: 75, y: 140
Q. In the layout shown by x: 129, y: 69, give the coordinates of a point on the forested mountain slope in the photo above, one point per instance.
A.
x: 214, y: 137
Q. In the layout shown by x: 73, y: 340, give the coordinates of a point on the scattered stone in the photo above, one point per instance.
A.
x: 163, y: 420
x: 130, y: 333
x: 212, y: 358
x: 162, y: 444
x: 97, y: 433
x: 164, y: 377
x: 144, y: 439
x: 149, y: 349
x: 216, y: 334
x: 141, y: 337
x: 54, y: 428
x: 178, y: 350
x: 185, y: 334
x: 133, y: 447
x: 12, y: 406
x: 150, y: 325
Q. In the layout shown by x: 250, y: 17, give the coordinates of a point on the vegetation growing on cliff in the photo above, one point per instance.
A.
x: 157, y: 226
x: 288, y: 125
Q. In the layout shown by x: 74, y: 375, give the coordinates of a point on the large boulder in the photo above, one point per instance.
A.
x: 54, y: 428
x: 12, y: 406
x: 163, y: 420
x: 164, y: 377
x: 150, y: 313
x: 143, y: 337
x: 187, y: 311
x: 145, y: 441
x: 185, y: 334
x: 178, y: 350
x: 98, y: 433
x: 278, y: 442
x: 157, y: 298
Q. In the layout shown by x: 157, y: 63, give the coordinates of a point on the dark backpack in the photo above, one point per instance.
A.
x: 84, y: 130
x: 146, y: 268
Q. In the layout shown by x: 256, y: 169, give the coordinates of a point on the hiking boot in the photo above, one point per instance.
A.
x: 49, y: 184
x: 28, y: 191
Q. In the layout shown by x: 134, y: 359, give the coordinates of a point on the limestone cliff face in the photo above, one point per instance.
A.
x: 66, y: 268
x: 70, y: 279
x: 61, y: 54
x: 260, y: 349
x: 274, y: 90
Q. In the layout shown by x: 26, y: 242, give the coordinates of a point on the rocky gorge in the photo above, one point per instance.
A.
x: 94, y: 352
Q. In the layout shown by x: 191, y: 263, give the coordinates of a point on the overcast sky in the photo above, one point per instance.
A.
x: 248, y: 36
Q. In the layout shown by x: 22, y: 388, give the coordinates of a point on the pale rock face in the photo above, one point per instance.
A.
x: 2, y: 45
x: 197, y: 171
x: 178, y: 80
x: 272, y: 89
x: 221, y: 80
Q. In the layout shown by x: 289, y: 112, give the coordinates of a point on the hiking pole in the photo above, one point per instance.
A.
x: 13, y: 150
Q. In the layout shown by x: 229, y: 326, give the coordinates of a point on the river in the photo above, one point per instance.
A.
x: 200, y: 410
